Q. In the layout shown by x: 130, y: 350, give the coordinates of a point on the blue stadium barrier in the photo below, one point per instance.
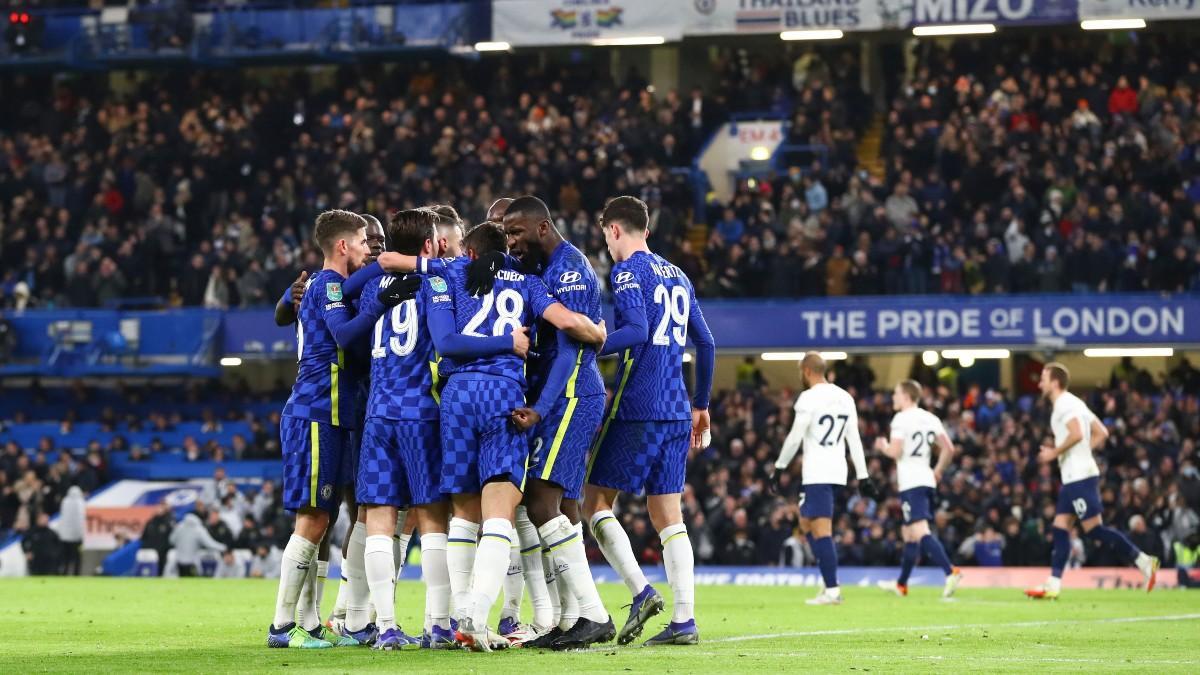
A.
x: 123, y: 561
x: 174, y: 467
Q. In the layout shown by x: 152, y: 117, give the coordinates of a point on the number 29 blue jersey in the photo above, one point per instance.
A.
x: 516, y: 300
x: 650, y: 384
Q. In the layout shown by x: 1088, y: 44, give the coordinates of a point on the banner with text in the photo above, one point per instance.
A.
x: 569, y: 22
x: 1139, y: 9
x: 715, y: 17
x: 927, y: 321
x: 905, y: 13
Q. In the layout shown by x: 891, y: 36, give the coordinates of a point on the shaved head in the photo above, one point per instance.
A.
x: 496, y: 211
x: 814, y: 363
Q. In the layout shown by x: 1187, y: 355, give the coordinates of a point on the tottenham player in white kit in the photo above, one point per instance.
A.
x: 826, y: 422
x: 1076, y: 432
x: 915, y: 432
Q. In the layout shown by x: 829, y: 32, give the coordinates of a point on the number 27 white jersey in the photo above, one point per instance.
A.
x: 830, y: 420
x: 919, y: 429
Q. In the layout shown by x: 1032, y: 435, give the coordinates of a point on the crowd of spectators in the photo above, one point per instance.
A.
x: 994, y: 504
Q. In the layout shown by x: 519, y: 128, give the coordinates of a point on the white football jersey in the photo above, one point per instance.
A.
x: 828, y: 420
x: 919, y: 429
x: 1077, y: 463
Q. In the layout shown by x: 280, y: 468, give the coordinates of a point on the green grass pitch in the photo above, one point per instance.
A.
x: 202, y: 625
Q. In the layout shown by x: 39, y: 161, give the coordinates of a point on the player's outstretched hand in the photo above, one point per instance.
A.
x: 520, y: 337
x: 701, y: 428
x: 402, y: 289
x: 1048, y: 454
x: 481, y: 273
x: 525, y: 418
x: 298, y: 289
x: 866, y: 487
x: 880, y: 444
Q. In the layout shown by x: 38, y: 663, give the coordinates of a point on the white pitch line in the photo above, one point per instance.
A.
x: 950, y: 627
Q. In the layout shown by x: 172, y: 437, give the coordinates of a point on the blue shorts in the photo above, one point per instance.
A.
x: 479, y: 441
x: 561, y: 442
x: 631, y: 455
x: 349, y: 468
x: 400, y: 463
x: 1081, y: 498
x: 917, y: 504
x: 312, y: 459
x: 817, y: 500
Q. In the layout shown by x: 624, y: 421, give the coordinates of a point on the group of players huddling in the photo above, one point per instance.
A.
x: 452, y: 382
x: 449, y: 385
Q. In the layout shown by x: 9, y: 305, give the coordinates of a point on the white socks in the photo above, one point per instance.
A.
x: 680, y: 565
x: 566, y: 547
x: 400, y: 542
x: 460, y: 560
x: 358, y: 599
x: 380, y: 570
x: 437, y: 580
x: 318, y: 590
x: 614, y: 543
x: 298, y: 556
x: 339, y: 605
x: 514, y: 585
x: 551, y: 587
x: 531, y: 568
x: 491, y: 564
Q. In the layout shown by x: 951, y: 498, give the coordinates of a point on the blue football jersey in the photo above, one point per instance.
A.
x: 516, y: 300
x: 650, y: 382
x: 325, y: 389
x: 404, y: 367
x: 572, y: 281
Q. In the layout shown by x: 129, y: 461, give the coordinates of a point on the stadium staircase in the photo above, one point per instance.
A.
x: 869, y: 150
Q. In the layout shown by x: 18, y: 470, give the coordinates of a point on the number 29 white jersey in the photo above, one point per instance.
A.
x: 829, y: 419
x: 919, y: 429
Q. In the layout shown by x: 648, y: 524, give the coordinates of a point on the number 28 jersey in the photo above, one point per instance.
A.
x: 919, y: 429
x: 649, y: 380
x: 515, y: 300
x: 828, y: 416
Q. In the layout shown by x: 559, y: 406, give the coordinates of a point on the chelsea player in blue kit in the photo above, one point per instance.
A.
x: 565, y: 426
x: 484, y: 452
x: 651, y: 424
x: 401, y: 449
x: 318, y: 419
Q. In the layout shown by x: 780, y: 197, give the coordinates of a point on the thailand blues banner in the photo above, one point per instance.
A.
x: 711, y: 17
x: 1139, y: 9
x: 566, y: 22
x: 906, y: 13
x: 931, y: 321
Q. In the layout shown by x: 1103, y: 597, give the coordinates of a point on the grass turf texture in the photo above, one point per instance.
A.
x: 204, y: 625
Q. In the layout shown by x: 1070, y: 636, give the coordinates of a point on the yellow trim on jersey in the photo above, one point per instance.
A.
x: 433, y: 390
x: 334, y: 370
x: 314, y: 468
x: 628, y: 363
x: 571, y: 381
x: 525, y: 473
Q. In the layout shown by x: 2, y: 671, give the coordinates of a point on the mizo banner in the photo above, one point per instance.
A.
x: 1139, y: 9
x: 570, y: 22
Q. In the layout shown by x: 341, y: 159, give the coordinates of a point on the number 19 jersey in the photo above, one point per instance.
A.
x: 919, y: 429
x: 828, y: 416
x: 404, y: 365
x: 650, y: 376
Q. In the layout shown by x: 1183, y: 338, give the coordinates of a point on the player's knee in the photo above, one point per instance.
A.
x: 380, y: 520
x: 665, y: 510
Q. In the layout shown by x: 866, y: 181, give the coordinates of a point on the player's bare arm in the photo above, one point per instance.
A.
x: 945, y: 454
x: 893, y: 448
x: 577, y: 326
x: 1099, y: 434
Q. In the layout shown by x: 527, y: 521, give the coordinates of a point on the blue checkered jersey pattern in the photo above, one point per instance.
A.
x: 572, y: 281
x: 650, y: 382
x: 404, y: 368
x: 516, y: 300
x: 325, y: 390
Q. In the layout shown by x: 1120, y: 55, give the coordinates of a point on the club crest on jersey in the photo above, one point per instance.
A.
x: 333, y: 291
x: 570, y: 277
x: 438, y: 284
x: 624, y: 277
